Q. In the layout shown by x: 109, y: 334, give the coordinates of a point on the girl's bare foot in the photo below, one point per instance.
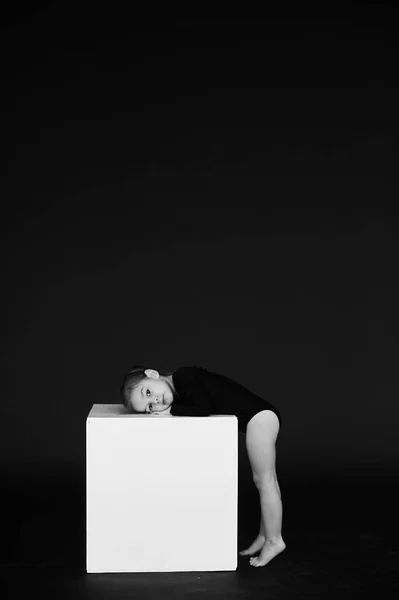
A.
x: 256, y: 545
x: 269, y: 551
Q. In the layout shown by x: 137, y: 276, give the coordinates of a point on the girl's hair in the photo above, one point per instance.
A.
x: 132, y: 379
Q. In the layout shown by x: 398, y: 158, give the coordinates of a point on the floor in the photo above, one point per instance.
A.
x: 340, y: 532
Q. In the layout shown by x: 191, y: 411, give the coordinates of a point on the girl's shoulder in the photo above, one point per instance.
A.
x: 187, y: 375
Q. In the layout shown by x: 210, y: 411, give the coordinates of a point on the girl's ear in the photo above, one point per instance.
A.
x: 152, y: 374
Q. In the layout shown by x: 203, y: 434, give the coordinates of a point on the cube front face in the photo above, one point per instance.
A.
x: 161, y: 493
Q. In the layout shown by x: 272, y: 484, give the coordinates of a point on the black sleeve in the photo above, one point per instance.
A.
x: 198, y: 405
x: 190, y: 410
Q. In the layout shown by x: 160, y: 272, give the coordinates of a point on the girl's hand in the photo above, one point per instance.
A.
x: 163, y: 413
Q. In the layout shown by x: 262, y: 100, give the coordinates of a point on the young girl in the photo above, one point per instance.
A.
x: 195, y: 391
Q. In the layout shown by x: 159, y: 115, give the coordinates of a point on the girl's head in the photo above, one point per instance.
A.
x: 147, y: 390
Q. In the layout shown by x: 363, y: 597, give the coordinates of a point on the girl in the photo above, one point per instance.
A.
x: 195, y: 391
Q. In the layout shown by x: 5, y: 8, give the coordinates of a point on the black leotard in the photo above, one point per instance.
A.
x: 201, y: 393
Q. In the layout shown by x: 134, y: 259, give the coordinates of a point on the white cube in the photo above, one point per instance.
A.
x: 162, y: 492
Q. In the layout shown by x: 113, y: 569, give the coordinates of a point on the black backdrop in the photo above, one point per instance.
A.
x: 213, y: 189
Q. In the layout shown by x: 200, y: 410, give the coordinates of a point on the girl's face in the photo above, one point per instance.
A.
x: 152, y: 394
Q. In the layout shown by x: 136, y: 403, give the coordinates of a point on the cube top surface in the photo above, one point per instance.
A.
x: 109, y: 410
x: 118, y: 410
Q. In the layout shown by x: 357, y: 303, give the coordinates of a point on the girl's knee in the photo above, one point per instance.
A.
x: 266, y: 481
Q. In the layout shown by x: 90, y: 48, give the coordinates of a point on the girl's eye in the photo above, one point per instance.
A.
x: 147, y: 391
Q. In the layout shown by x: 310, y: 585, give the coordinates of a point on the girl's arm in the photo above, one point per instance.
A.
x: 198, y: 405
x: 163, y: 413
x: 191, y: 410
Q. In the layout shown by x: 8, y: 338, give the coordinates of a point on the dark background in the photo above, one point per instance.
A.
x: 198, y: 186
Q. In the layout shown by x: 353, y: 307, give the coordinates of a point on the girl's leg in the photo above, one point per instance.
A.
x: 262, y: 530
x: 261, y: 438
